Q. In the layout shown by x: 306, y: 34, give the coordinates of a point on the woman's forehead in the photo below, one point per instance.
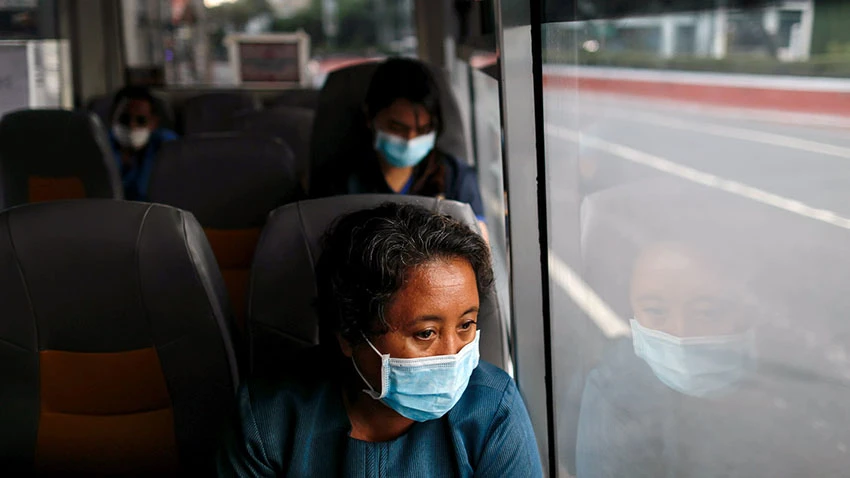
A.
x: 443, y: 286
x: 677, y: 268
x: 404, y: 110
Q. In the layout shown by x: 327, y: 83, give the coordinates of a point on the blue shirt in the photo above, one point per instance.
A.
x: 460, y: 182
x: 301, y: 428
x: 137, y: 177
x: 772, y: 425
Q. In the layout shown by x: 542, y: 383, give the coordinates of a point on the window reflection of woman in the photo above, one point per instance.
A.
x: 691, y: 322
x: 690, y: 394
x: 692, y: 350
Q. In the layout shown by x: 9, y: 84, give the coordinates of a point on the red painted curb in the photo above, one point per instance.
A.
x: 816, y: 102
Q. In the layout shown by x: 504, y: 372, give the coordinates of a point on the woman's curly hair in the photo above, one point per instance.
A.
x: 368, y: 254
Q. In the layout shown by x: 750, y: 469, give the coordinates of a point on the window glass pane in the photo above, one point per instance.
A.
x: 190, y: 38
x: 35, y: 63
x: 699, y: 216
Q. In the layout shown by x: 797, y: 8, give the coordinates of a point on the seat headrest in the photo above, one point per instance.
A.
x: 341, y: 126
x: 101, y: 105
x: 214, y: 112
x: 55, y: 144
x: 147, y: 276
x: 281, y: 315
x: 42, y: 141
x: 227, y: 180
x: 299, y: 97
x: 293, y: 125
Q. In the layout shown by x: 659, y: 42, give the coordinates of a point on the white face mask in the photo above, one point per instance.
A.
x: 131, y: 138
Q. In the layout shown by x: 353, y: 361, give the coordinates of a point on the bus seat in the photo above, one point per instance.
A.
x: 116, y: 352
x: 48, y: 155
x: 101, y: 105
x: 281, y: 316
x: 214, y: 112
x: 340, y: 126
x: 297, y: 97
x: 293, y: 125
x: 230, y: 182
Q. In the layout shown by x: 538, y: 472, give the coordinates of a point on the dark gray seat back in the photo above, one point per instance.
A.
x: 293, y: 125
x: 281, y: 315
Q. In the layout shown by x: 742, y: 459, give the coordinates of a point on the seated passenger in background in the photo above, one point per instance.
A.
x: 401, y: 390
x: 403, y: 113
x: 136, y: 138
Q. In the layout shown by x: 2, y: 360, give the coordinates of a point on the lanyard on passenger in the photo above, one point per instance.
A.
x: 407, y: 186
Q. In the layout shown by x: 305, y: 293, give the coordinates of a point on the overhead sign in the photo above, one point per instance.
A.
x: 272, y: 62
x: 18, y: 4
x: 269, y: 61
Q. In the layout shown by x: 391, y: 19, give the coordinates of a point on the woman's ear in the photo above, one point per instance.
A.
x: 345, y: 346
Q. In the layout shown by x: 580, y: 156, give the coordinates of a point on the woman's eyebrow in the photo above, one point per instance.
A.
x: 706, y: 300
x: 437, y: 318
x: 472, y: 309
x: 649, y: 298
x: 396, y: 122
x: 427, y: 318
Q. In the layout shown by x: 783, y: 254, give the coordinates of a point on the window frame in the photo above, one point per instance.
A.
x: 519, y: 41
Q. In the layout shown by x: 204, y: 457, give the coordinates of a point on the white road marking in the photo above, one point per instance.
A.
x: 755, y: 136
x: 611, y: 325
x: 699, y: 177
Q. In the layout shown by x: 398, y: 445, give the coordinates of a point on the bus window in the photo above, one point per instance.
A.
x: 195, y: 41
x: 698, y: 221
x: 35, y: 62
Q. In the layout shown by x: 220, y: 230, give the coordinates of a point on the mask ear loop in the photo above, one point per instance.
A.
x: 371, y: 391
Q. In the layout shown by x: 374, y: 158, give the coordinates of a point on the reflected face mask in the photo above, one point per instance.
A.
x: 696, y: 366
x: 424, y: 388
x: 402, y: 153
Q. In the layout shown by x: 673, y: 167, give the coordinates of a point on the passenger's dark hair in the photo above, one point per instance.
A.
x: 368, y: 255
x: 134, y: 93
x: 404, y: 78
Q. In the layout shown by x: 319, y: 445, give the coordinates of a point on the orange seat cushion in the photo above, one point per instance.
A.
x: 55, y: 189
x: 105, y: 413
x: 234, y: 251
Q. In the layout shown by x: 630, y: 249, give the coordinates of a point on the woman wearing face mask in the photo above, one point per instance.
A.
x: 402, y: 109
x: 400, y: 391
x: 136, y: 138
x: 700, y: 388
x: 670, y: 401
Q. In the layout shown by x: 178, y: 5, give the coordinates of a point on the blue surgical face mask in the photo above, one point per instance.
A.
x: 403, y: 153
x: 695, y: 366
x: 424, y: 388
